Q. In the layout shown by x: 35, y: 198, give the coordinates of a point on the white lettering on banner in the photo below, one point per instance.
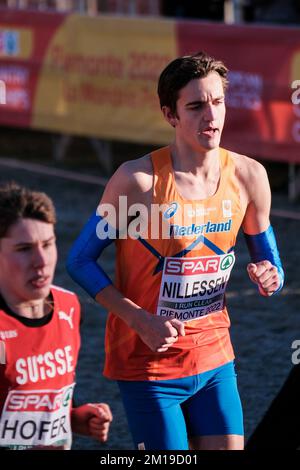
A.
x: 296, y: 94
x: 43, y: 366
x: 296, y: 110
x: 37, y: 417
x: 245, y: 90
x: 194, y: 287
x: 296, y: 124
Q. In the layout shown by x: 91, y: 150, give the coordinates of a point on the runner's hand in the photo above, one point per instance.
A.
x: 265, y: 275
x: 92, y: 419
x: 158, y: 333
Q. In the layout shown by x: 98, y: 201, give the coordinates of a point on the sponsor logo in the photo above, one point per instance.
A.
x: 7, y: 334
x: 192, y: 266
x: 226, y: 208
x: 36, y: 400
x: 171, y: 211
x: 227, y: 262
x: 67, y: 316
x: 200, y: 211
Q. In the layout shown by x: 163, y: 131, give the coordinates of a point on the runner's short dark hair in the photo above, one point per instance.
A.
x: 181, y: 71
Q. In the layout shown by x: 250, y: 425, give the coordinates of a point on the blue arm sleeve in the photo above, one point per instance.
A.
x: 262, y: 247
x: 82, y: 259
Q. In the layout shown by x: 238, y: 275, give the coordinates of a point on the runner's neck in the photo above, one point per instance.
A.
x: 31, y: 309
x: 187, y: 160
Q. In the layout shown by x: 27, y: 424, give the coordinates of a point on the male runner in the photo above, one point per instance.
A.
x: 167, y: 338
x: 39, y: 333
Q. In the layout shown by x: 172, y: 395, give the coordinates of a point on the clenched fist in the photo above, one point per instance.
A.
x: 266, y: 276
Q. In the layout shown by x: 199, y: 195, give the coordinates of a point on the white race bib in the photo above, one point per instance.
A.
x: 194, y: 287
x: 37, y: 418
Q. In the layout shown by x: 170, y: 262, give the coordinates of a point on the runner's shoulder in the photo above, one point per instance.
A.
x: 248, y: 170
x: 134, y: 175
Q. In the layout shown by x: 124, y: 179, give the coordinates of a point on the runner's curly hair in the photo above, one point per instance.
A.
x: 18, y: 202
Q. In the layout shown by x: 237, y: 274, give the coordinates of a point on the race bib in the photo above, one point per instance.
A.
x: 194, y: 287
x: 37, y: 418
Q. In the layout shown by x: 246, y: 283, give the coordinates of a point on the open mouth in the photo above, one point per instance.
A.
x: 209, y: 131
x: 40, y: 281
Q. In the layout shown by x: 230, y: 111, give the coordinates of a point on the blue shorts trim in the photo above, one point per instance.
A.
x: 164, y: 414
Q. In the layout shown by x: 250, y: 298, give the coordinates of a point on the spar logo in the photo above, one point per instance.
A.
x: 39, y: 400
x: 192, y: 266
x: 67, y: 396
x: 171, y: 211
x: 227, y: 262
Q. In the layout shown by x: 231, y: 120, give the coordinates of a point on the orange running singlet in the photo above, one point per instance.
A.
x: 183, y: 276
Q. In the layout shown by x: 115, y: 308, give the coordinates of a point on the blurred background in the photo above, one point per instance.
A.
x: 78, y: 91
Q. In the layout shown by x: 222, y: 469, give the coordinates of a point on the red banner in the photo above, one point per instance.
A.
x: 261, y: 119
x: 24, y: 38
x: 73, y: 74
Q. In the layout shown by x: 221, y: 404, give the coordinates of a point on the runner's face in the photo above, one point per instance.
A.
x: 201, y: 112
x: 28, y: 258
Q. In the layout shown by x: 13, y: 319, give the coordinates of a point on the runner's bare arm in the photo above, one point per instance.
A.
x: 134, y: 181
x: 257, y: 216
x: 256, y: 223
